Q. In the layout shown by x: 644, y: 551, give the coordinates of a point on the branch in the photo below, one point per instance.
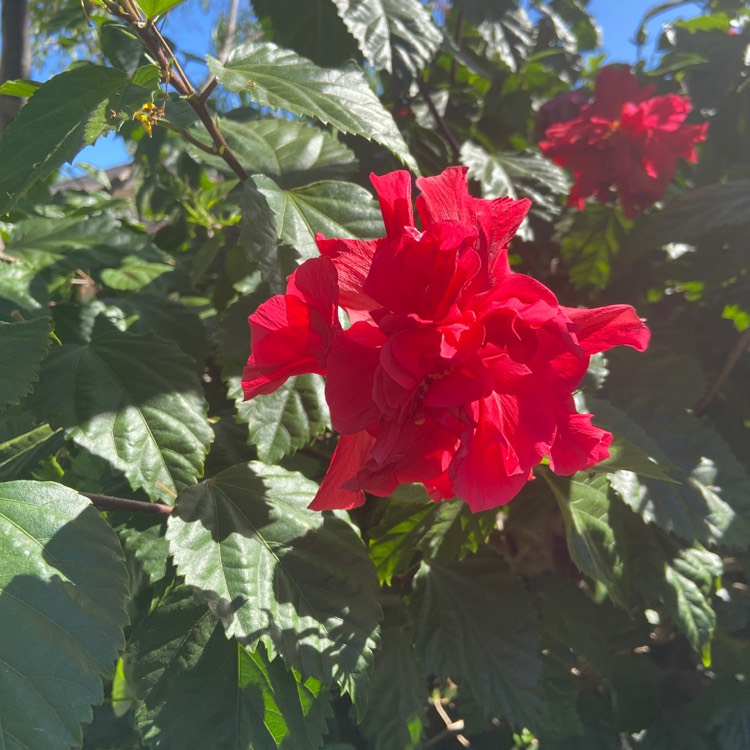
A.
x: 226, y: 45
x: 726, y: 371
x: 161, y: 51
x: 439, y: 121
x: 451, y: 727
x: 107, y: 502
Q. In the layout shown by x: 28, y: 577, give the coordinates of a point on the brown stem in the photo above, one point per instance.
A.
x: 726, y: 371
x: 107, y: 502
x: 440, y: 122
x: 158, y: 46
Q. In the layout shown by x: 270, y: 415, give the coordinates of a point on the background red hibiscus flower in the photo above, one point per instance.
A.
x: 623, y: 140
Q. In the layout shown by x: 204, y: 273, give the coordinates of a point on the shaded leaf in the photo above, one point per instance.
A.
x: 412, y: 523
x: 197, y: 689
x: 63, y: 591
x: 279, y: 79
x: 282, y: 422
x: 517, y: 175
x: 21, y: 454
x: 23, y: 346
x: 395, y: 719
x: 298, y: 581
x: 312, y: 29
x: 134, y: 401
x: 696, y: 213
x: 475, y: 620
x: 591, y: 243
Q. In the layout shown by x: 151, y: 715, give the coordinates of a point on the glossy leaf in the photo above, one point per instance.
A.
x: 63, y: 591
x: 394, y: 35
x: 284, y: 421
x: 336, y: 209
x: 136, y: 402
x: 298, y: 581
x: 280, y: 79
x: 292, y: 153
x: 474, y: 621
x: 23, y: 346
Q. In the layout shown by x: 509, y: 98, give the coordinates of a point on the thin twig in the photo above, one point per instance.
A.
x: 108, y: 502
x: 440, y: 122
x: 231, y: 31
x: 451, y: 727
x: 159, y: 48
x: 726, y: 371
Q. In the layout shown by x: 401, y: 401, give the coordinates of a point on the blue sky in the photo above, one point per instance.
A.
x: 191, y: 24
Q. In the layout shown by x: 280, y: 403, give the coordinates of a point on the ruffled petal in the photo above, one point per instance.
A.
x: 579, y: 445
x: 352, y: 260
x: 290, y: 334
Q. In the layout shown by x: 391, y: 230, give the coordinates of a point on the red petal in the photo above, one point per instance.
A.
x: 601, y: 328
x: 578, y: 445
x: 352, y: 259
x: 351, y: 453
x: 291, y: 333
x: 394, y: 195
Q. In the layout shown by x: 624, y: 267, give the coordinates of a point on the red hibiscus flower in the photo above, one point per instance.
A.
x: 454, y: 371
x: 624, y: 139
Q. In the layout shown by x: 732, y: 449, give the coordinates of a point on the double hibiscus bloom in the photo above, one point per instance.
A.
x: 451, y: 370
x: 624, y: 139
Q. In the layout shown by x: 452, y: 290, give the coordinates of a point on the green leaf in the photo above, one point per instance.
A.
x: 678, y: 579
x: 413, y: 523
x: 585, y: 507
x: 591, y: 243
x: 312, y: 29
x: 56, y: 123
x: 475, y: 620
x: 134, y: 401
x: 298, y: 581
x: 395, y: 719
x: 284, y: 421
x: 164, y: 316
x: 517, y: 175
x: 506, y: 29
x: 293, y: 153
x: 20, y: 286
x: 19, y: 87
x: 394, y: 35
x: 335, y: 209
x: 154, y: 8
x: 259, y: 235
x: 711, y: 503
x: 23, y: 346
x: 198, y: 689
x: 63, y: 591
x: 694, y: 214
x: 279, y: 79
x: 20, y: 455
x: 134, y: 274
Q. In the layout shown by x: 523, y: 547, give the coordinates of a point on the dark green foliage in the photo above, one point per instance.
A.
x: 607, y: 610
